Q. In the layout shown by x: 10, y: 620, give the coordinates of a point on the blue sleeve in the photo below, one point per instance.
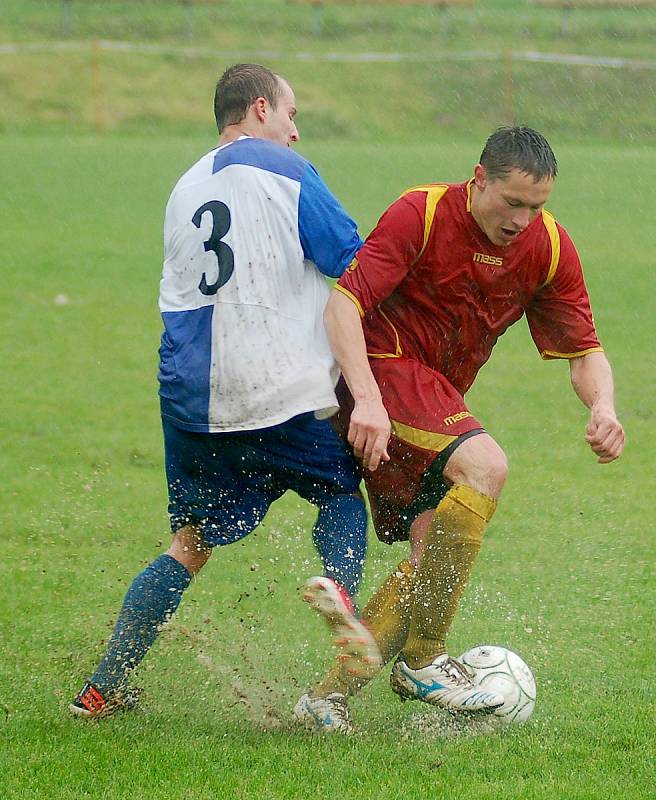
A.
x: 329, y: 237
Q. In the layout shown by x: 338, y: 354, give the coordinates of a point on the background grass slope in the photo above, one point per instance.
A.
x: 413, y: 82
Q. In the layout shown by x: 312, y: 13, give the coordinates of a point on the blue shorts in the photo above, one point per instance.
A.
x: 224, y: 483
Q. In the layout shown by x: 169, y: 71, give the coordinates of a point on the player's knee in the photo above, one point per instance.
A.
x: 497, y: 471
x: 492, y: 471
x: 480, y: 463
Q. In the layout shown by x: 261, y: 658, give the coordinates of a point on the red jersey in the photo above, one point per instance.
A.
x: 431, y: 286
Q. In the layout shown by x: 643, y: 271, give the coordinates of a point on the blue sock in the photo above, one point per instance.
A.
x: 151, y: 599
x: 340, y: 536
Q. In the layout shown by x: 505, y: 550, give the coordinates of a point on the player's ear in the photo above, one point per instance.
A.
x: 261, y: 109
x: 480, y: 177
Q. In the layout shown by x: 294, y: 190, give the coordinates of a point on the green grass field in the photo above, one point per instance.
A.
x: 565, y: 576
x: 92, y: 142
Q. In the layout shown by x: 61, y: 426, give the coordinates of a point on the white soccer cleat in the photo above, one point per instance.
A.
x: 326, y: 714
x: 357, y: 647
x: 444, y: 683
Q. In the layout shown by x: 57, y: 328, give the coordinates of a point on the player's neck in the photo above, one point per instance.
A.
x: 473, y: 206
x: 233, y: 132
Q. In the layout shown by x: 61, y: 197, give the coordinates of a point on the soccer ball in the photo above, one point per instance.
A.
x: 500, y: 670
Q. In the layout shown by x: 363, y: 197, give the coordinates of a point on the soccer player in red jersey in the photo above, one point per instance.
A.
x: 447, y: 270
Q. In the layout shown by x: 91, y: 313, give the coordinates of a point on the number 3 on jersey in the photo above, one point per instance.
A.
x: 224, y: 255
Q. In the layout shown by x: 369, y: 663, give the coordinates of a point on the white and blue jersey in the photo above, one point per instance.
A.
x: 250, y: 232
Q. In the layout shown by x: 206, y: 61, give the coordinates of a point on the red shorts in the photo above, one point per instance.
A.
x: 429, y: 420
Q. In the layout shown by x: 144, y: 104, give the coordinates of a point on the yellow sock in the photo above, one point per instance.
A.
x: 388, y: 612
x: 452, y: 544
x: 388, y: 616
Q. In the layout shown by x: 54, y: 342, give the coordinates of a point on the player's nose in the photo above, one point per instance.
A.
x: 521, y: 218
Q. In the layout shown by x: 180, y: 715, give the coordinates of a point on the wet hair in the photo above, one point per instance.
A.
x: 239, y: 87
x: 518, y: 147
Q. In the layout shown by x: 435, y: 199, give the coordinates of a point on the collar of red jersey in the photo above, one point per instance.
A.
x: 469, y: 185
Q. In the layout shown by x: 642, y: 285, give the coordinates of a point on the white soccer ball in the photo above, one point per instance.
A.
x: 500, y: 670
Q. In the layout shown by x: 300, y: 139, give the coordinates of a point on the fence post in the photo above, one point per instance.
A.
x: 444, y: 21
x: 96, y: 88
x: 189, y: 18
x: 67, y: 18
x: 317, y: 17
x: 565, y: 23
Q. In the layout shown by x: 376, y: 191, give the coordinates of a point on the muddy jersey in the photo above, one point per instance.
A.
x: 250, y: 232
x: 430, y: 286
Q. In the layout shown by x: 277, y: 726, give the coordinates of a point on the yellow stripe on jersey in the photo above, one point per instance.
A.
x: 398, y: 351
x: 546, y: 354
x: 434, y: 193
x: 554, y: 237
x: 351, y: 297
x: 428, y: 440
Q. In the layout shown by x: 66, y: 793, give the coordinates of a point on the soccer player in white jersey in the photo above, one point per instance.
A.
x: 246, y: 373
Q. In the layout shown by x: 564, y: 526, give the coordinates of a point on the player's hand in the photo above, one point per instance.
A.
x: 605, y: 435
x: 369, y: 433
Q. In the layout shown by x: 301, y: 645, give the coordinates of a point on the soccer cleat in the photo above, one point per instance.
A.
x: 327, y: 714
x: 90, y: 702
x: 444, y: 683
x: 358, y: 650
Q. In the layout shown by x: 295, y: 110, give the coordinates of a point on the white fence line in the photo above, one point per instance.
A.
x: 568, y: 59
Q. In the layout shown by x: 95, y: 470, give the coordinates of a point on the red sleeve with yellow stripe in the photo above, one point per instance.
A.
x: 389, y: 252
x: 560, y: 317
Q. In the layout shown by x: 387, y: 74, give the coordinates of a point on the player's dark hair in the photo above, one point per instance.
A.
x: 239, y: 87
x: 518, y: 147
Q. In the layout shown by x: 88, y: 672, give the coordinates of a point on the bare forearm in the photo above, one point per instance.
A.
x: 369, y: 427
x: 344, y: 329
x: 592, y: 379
